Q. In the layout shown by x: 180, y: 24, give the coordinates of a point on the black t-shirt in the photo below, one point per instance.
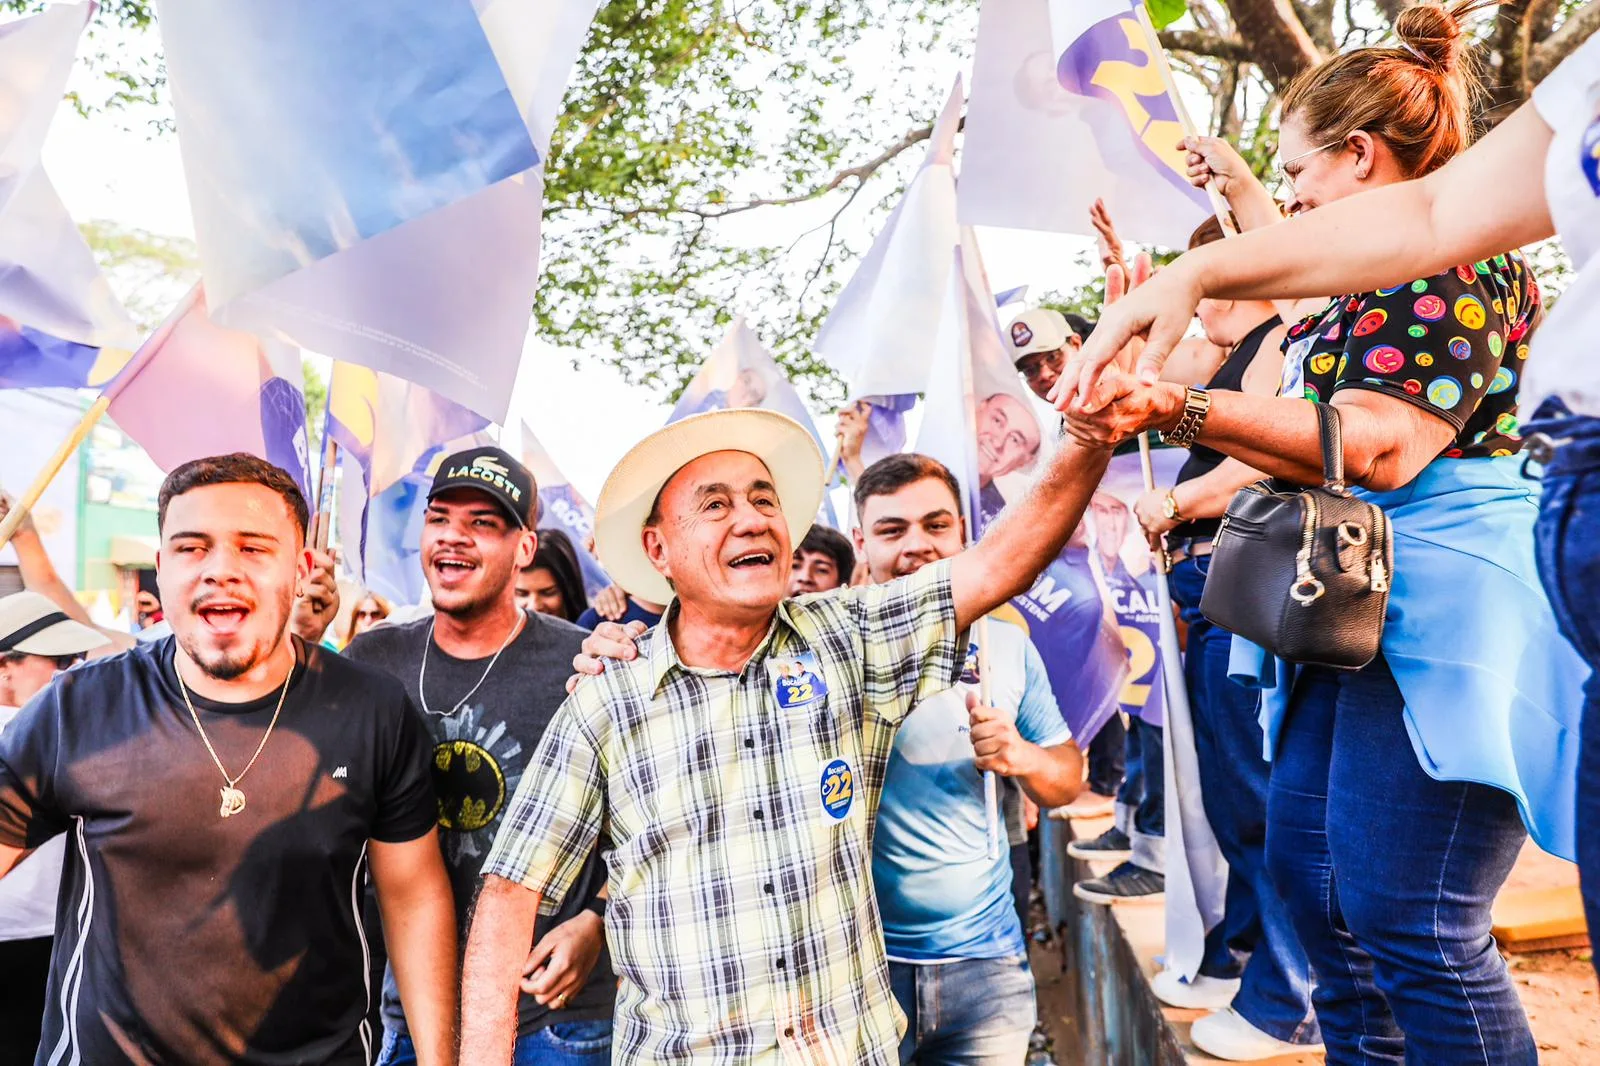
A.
x: 479, y: 754
x: 1453, y: 344
x: 186, y: 937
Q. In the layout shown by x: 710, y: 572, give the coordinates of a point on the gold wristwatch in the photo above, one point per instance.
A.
x: 1169, y: 508
x: 1196, y: 405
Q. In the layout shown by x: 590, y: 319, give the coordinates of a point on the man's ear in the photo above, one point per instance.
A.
x: 527, y: 547
x: 860, y: 541
x: 302, y: 570
x: 655, y: 549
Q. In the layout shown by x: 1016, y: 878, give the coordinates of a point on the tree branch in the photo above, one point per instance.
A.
x: 1546, y: 56
x: 859, y: 173
x: 1201, y: 43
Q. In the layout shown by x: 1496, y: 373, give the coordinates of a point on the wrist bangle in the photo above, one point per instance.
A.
x: 1196, y: 405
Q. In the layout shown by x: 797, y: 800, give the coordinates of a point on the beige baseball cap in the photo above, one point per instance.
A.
x: 34, y: 625
x: 1038, y: 330
x: 787, y: 449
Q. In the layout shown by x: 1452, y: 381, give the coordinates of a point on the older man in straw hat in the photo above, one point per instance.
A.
x: 735, y: 763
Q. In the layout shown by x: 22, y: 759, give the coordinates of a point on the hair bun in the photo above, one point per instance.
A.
x: 1432, y: 32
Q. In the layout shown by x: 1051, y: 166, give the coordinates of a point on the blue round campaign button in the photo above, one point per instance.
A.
x: 837, y: 789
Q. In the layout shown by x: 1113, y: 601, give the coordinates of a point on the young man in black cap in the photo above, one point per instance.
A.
x: 233, y: 790
x: 488, y: 677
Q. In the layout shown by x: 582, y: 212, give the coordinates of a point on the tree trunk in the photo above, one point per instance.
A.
x: 1280, y: 44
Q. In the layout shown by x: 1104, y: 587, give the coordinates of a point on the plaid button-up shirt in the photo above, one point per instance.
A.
x: 742, y: 919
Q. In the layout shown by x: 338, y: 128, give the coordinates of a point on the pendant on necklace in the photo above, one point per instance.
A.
x: 232, y: 801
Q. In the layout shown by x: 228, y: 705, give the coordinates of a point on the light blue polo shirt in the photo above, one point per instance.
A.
x: 941, y: 897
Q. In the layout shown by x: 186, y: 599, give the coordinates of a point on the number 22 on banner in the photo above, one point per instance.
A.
x: 1141, y: 662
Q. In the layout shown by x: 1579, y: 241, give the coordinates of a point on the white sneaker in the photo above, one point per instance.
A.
x: 1227, y: 1035
x: 1202, y: 993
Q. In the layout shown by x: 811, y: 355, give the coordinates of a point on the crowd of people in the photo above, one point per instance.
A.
x: 736, y: 808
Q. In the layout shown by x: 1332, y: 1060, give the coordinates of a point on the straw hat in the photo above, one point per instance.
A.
x: 787, y: 449
x: 32, y: 624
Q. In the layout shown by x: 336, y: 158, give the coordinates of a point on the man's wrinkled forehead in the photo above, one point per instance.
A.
x: 717, y: 472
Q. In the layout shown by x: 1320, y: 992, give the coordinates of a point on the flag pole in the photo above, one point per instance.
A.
x: 991, y: 786
x: 24, y: 503
x: 79, y: 433
x: 323, y: 525
x: 1185, y: 949
x: 1158, y: 56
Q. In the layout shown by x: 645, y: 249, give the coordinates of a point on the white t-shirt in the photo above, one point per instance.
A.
x: 1566, y: 360
x: 28, y: 893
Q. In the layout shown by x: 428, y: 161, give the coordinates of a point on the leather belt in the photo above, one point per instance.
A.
x: 1197, y: 548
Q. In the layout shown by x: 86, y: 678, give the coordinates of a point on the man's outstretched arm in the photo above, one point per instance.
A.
x: 498, y: 940
x: 1026, y: 537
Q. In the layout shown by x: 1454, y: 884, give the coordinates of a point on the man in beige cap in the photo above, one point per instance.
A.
x: 735, y: 764
x: 1040, y: 340
x: 37, y: 641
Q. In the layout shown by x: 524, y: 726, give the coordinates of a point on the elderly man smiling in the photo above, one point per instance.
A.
x: 738, y: 793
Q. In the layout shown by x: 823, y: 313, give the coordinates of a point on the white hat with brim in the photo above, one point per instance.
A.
x: 32, y: 624
x: 787, y: 449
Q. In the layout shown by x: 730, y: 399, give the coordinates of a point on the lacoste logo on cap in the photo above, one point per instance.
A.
x: 493, y: 466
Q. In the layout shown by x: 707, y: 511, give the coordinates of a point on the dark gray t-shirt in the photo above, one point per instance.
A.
x: 479, y: 755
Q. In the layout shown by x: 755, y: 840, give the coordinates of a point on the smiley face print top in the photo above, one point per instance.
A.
x: 1454, y: 344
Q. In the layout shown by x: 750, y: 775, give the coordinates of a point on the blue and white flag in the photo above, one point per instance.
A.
x: 1069, y: 106
x: 56, y: 309
x: 390, y: 432
x: 979, y: 422
x: 365, y: 175
x: 740, y: 372
x: 562, y: 506
x: 196, y: 389
x: 883, y: 325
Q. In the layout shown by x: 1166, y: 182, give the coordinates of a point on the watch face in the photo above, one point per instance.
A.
x: 1169, y: 507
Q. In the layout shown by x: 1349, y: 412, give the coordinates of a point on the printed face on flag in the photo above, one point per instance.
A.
x: 1069, y: 106
x: 1008, y: 436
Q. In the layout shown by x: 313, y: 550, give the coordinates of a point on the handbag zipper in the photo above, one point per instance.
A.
x: 1380, y: 530
x: 1307, y: 589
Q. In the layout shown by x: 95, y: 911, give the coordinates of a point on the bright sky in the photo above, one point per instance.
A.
x: 108, y: 167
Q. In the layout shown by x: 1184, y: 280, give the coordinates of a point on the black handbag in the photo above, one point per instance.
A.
x: 1304, y: 572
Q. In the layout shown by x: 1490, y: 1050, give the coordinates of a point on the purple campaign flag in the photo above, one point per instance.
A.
x: 196, y: 389
x: 562, y: 506
x: 1011, y: 296
x: 1068, y: 106
x: 978, y: 422
x: 31, y: 359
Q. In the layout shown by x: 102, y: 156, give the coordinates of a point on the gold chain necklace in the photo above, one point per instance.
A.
x: 232, y: 798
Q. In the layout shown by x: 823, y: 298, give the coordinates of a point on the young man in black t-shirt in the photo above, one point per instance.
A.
x: 488, y: 677
x: 226, y: 791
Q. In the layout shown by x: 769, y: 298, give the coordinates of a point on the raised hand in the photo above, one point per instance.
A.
x: 1158, y: 311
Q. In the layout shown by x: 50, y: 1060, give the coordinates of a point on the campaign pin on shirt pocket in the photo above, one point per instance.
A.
x: 797, y: 680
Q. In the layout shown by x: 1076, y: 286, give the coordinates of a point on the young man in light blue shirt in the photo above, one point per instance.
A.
x: 958, y: 958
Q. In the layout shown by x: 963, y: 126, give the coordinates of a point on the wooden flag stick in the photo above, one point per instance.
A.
x: 1158, y: 56
x: 991, y: 785
x: 23, y: 504
x: 322, y: 525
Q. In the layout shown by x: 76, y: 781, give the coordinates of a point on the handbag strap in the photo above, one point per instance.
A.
x: 1332, y: 447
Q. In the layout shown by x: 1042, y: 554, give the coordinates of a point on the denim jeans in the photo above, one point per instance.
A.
x: 1141, y: 807
x: 1390, y: 876
x: 1256, y: 939
x: 1568, y: 542
x: 562, y: 1044
x: 1107, y: 759
x: 974, y: 1012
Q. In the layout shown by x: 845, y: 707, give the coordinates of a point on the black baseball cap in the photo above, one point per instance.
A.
x: 493, y: 472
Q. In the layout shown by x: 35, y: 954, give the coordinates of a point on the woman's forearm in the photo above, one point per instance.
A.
x: 1396, y: 233
x: 1208, y: 495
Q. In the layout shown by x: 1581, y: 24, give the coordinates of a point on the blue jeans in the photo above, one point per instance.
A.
x: 1568, y: 542
x: 562, y: 1044
x: 1141, y: 807
x: 1107, y: 759
x: 1390, y: 876
x: 1256, y: 940
x: 975, y: 1012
